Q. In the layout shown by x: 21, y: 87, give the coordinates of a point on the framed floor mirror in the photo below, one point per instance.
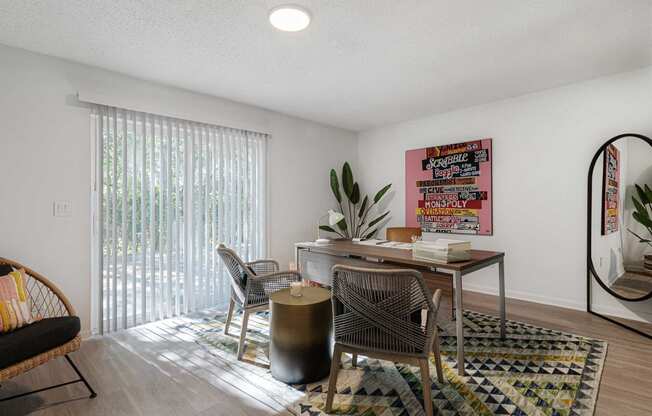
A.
x: 619, y: 232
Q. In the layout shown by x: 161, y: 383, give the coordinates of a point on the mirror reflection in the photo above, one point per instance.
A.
x: 622, y: 217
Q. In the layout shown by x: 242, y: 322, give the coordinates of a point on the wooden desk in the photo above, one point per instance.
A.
x: 315, y: 261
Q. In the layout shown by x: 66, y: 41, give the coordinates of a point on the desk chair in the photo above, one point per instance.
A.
x: 378, y: 313
x: 251, y: 285
x: 402, y: 234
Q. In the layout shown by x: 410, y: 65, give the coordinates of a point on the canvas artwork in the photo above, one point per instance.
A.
x: 610, y: 190
x: 448, y: 188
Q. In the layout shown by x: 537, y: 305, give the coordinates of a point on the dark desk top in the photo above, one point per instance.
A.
x: 401, y: 256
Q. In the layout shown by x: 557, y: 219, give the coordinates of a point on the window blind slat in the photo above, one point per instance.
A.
x: 134, y: 241
x: 179, y: 235
x: 201, y: 224
x: 214, y: 295
x: 160, y: 225
x: 189, y: 276
x: 143, y: 222
x: 152, y: 223
x: 114, y: 248
x: 169, y: 218
x: 99, y: 215
x: 209, y: 222
x: 123, y: 220
x: 220, y: 206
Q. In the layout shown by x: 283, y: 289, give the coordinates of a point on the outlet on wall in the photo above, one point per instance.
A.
x: 62, y: 208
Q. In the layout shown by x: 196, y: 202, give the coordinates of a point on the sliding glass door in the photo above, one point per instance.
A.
x: 166, y: 192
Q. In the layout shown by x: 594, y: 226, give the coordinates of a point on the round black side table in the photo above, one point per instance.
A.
x: 300, y: 348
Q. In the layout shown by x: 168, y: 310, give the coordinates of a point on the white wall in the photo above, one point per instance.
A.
x: 542, y: 147
x: 45, y: 156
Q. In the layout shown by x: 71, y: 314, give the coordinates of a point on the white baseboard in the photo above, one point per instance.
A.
x: 530, y: 297
x: 563, y: 303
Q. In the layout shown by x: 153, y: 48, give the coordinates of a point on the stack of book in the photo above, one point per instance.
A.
x: 442, y: 250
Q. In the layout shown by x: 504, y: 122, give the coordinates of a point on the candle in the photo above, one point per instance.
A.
x: 296, y: 288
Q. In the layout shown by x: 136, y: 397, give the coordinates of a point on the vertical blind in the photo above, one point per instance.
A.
x: 166, y: 193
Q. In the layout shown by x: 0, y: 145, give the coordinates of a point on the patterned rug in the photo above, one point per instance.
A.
x: 534, y: 371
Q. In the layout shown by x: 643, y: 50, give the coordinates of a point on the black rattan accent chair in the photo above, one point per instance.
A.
x: 55, y: 335
x: 379, y: 313
x: 251, y: 285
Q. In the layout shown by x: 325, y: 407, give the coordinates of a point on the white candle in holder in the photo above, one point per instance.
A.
x: 296, y: 288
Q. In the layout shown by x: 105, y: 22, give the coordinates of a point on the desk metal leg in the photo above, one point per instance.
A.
x: 501, y: 297
x: 453, y: 305
x: 459, y: 322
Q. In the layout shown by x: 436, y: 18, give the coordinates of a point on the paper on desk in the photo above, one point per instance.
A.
x: 398, y: 244
x: 386, y: 243
x: 313, y: 244
x: 371, y: 242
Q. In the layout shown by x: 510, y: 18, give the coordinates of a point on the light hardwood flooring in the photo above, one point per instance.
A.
x: 146, y: 372
x: 633, y: 284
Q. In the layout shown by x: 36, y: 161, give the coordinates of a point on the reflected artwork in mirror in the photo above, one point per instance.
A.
x: 619, y: 223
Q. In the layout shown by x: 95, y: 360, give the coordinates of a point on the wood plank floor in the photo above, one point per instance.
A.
x: 633, y: 284
x: 144, y: 372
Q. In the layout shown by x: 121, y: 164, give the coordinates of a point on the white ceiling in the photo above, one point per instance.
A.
x: 361, y: 63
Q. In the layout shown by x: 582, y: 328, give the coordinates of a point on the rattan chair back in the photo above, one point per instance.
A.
x: 238, y: 271
x: 46, y: 301
x: 44, y: 298
x: 381, y: 310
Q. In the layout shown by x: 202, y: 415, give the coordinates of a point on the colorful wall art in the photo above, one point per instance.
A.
x: 610, y: 190
x: 448, y: 188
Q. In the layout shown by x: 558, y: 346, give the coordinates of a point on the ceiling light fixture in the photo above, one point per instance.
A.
x: 289, y: 18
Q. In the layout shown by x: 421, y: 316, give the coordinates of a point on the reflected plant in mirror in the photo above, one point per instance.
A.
x: 643, y: 215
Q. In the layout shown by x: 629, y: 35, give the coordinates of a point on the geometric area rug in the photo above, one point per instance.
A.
x: 534, y: 371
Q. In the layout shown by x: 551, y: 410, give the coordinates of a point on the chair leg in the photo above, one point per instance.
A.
x: 229, y: 315
x: 425, y: 382
x: 332, y: 380
x: 437, y: 354
x: 81, y: 377
x: 354, y: 360
x: 243, y: 334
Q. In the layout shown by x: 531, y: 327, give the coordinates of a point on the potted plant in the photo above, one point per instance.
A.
x: 643, y: 215
x: 360, y: 216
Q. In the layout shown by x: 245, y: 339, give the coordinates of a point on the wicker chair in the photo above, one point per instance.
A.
x: 378, y: 313
x: 56, y: 334
x: 251, y: 285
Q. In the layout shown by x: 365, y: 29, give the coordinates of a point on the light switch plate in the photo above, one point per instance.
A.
x: 62, y: 208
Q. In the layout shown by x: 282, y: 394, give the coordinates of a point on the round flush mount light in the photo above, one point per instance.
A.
x: 289, y: 18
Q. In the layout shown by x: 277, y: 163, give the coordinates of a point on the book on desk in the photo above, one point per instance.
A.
x: 442, y: 251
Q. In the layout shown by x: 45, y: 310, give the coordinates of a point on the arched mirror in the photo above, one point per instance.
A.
x: 620, y: 222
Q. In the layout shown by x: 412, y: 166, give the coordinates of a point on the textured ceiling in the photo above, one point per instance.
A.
x: 361, y: 63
